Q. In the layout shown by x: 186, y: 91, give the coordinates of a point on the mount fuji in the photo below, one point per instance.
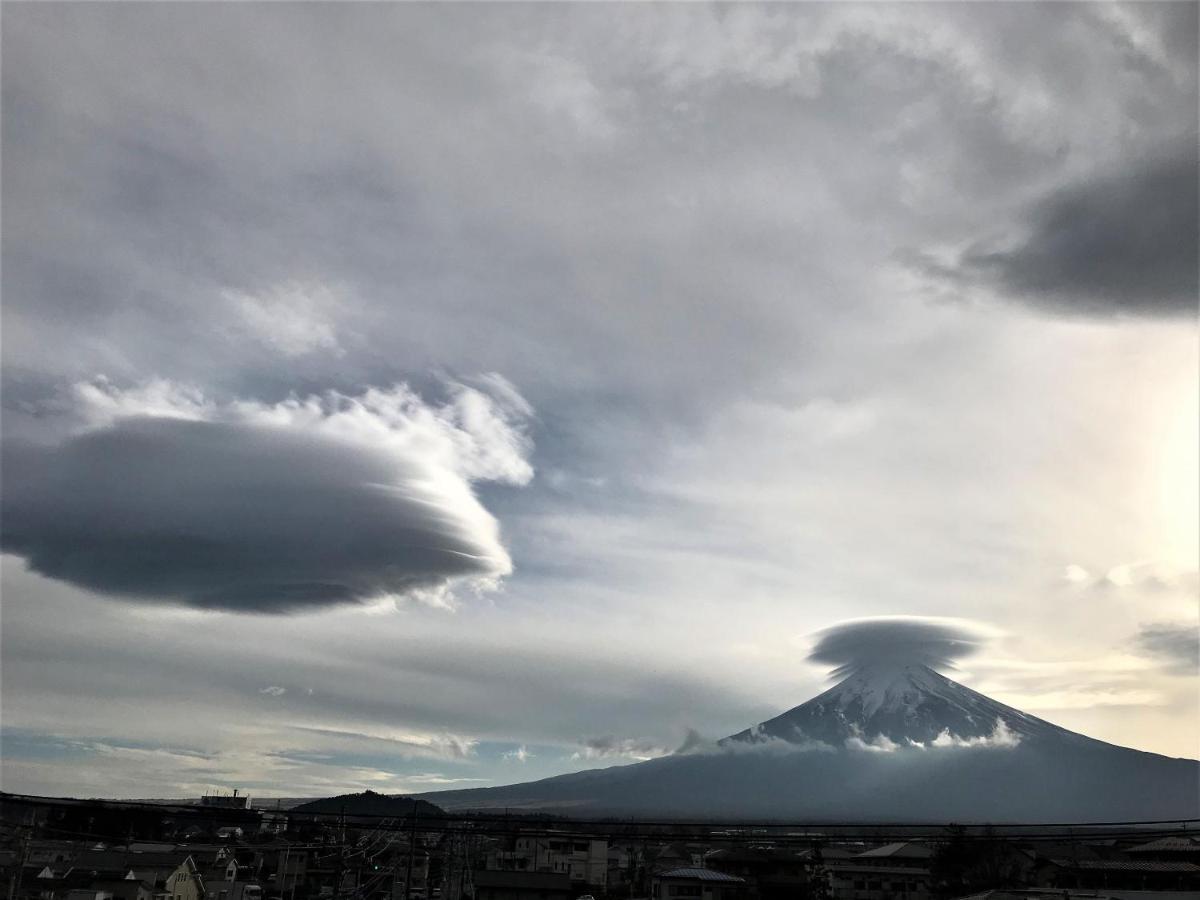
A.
x: 894, y: 741
x: 888, y: 705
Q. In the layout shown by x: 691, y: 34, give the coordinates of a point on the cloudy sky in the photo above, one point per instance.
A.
x: 404, y: 396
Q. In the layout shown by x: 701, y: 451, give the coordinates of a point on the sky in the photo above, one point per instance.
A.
x: 403, y: 397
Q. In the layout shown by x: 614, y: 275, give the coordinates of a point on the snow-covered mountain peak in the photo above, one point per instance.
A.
x: 896, y: 703
x: 887, y: 686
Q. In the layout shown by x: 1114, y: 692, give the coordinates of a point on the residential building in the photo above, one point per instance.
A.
x: 691, y: 883
x: 232, y: 890
x: 582, y: 859
x: 1168, y: 849
x: 225, y: 801
x: 184, y: 883
x: 873, y: 881
x: 1125, y: 874
x: 125, y: 888
x: 771, y: 873
x: 905, y: 854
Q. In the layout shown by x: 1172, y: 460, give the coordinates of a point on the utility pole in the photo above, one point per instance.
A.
x: 632, y: 869
x: 412, y: 840
x: 14, y: 882
x: 341, y: 863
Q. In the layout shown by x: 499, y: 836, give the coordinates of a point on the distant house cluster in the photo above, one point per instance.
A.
x: 229, y: 850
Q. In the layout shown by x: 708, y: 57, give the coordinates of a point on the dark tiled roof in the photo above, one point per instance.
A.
x: 1168, y: 845
x: 757, y: 854
x: 1128, y: 865
x: 842, y: 870
x: 898, y: 851
x: 829, y: 853
x: 701, y: 875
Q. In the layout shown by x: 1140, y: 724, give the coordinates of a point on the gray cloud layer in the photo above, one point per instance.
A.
x: 1123, y: 243
x: 1177, y: 646
x: 925, y: 641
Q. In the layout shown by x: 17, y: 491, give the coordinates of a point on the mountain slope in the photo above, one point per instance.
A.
x: 889, y: 743
x: 903, y: 703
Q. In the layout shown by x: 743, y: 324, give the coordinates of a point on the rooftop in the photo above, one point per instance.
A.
x: 1129, y: 865
x: 900, y: 850
x: 841, y: 870
x: 701, y: 875
x: 1174, y: 844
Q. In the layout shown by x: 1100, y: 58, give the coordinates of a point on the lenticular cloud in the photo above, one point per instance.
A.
x: 862, y: 643
x: 163, y: 495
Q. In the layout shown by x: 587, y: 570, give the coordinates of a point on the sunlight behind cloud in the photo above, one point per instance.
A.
x: 1179, y: 477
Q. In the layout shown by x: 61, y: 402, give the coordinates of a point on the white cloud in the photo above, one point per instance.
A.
x: 881, y: 743
x: 293, y: 319
x: 610, y: 746
x: 561, y: 88
x: 436, y: 778
x: 1074, y: 574
x: 273, y: 690
x: 99, y: 402
x: 1001, y: 736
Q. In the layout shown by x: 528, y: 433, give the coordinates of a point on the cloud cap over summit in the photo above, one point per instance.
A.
x: 929, y: 641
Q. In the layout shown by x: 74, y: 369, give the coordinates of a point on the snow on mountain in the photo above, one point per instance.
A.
x: 903, y: 704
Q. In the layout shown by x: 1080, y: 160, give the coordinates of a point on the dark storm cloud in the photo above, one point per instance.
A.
x: 1176, y: 646
x: 925, y: 641
x: 264, y: 513
x: 1119, y: 243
